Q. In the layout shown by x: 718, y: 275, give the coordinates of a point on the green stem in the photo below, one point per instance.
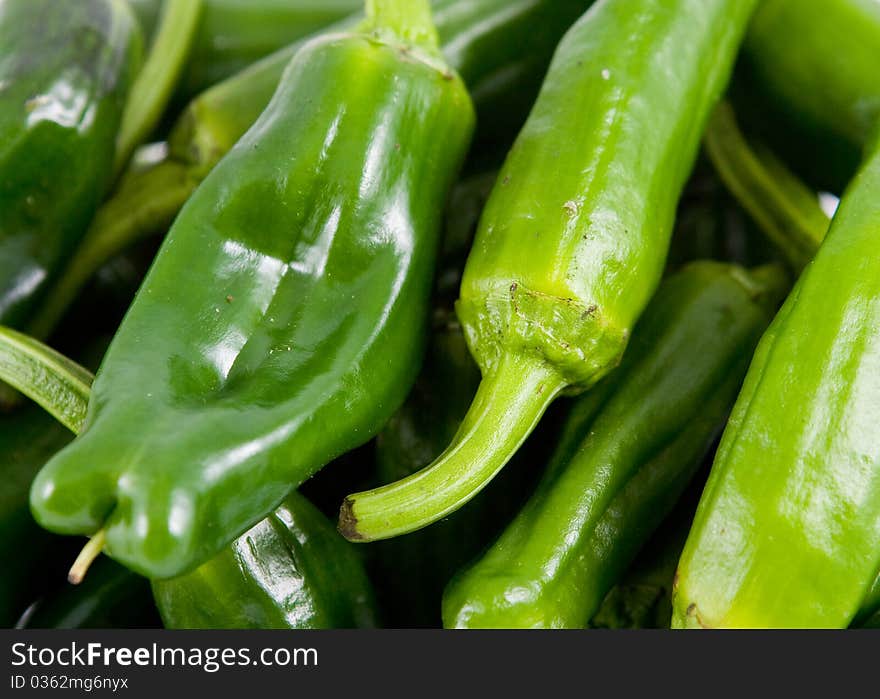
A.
x: 785, y: 209
x: 145, y: 204
x: 156, y: 82
x: 409, y: 20
x: 508, y: 405
x: 58, y: 384
x: 86, y: 557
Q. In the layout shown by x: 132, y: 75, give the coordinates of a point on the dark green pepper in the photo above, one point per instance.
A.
x: 573, y: 240
x: 786, y: 531
x: 290, y: 570
x: 500, y: 47
x: 282, y: 321
x: 629, y: 449
x: 65, y: 72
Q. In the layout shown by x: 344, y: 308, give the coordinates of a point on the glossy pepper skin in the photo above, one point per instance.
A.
x: 290, y: 570
x: 282, y: 321
x: 65, y: 71
x: 500, y: 47
x: 628, y: 451
x: 787, y: 528
x: 28, y: 438
x: 573, y: 240
x: 799, y: 85
x: 232, y: 34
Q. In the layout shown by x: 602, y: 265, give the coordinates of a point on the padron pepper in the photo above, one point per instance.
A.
x: 628, y: 451
x: 290, y: 570
x: 65, y: 72
x: 501, y: 48
x: 787, y: 528
x: 282, y: 321
x: 573, y: 240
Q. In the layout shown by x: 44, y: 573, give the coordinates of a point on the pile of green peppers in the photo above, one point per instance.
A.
x: 464, y: 313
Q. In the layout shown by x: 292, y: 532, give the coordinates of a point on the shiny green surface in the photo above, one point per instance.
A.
x: 29, y: 437
x: 65, y: 70
x: 786, y: 532
x: 811, y: 67
x: 573, y: 240
x: 282, y: 321
x: 501, y: 48
x: 629, y: 449
x: 292, y: 570
x: 232, y: 34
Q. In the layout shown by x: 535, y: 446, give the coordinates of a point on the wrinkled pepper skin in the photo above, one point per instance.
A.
x: 291, y: 570
x: 629, y: 449
x: 65, y: 71
x: 787, y: 528
x: 27, y: 438
x: 800, y: 86
x: 282, y: 321
x: 573, y: 240
x: 110, y: 597
x: 232, y: 34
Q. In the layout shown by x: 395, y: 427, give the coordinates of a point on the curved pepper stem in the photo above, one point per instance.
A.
x: 86, y: 557
x: 509, y: 403
x: 409, y: 20
x: 156, y: 82
x: 785, y: 209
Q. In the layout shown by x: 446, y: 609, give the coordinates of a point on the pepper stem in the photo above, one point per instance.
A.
x: 785, y: 209
x: 509, y: 403
x: 410, y: 20
x: 155, y: 83
x: 86, y: 557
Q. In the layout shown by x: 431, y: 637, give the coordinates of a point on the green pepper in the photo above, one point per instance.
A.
x: 500, y: 47
x: 573, y: 240
x: 232, y: 34
x: 65, y: 72
x: 282, y: 321
x: 290, y: 570
x: 809, y: 74
x: 110, y: 597
x: 28, y: 438
x: 628, y: 451
x: 786, y: 531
